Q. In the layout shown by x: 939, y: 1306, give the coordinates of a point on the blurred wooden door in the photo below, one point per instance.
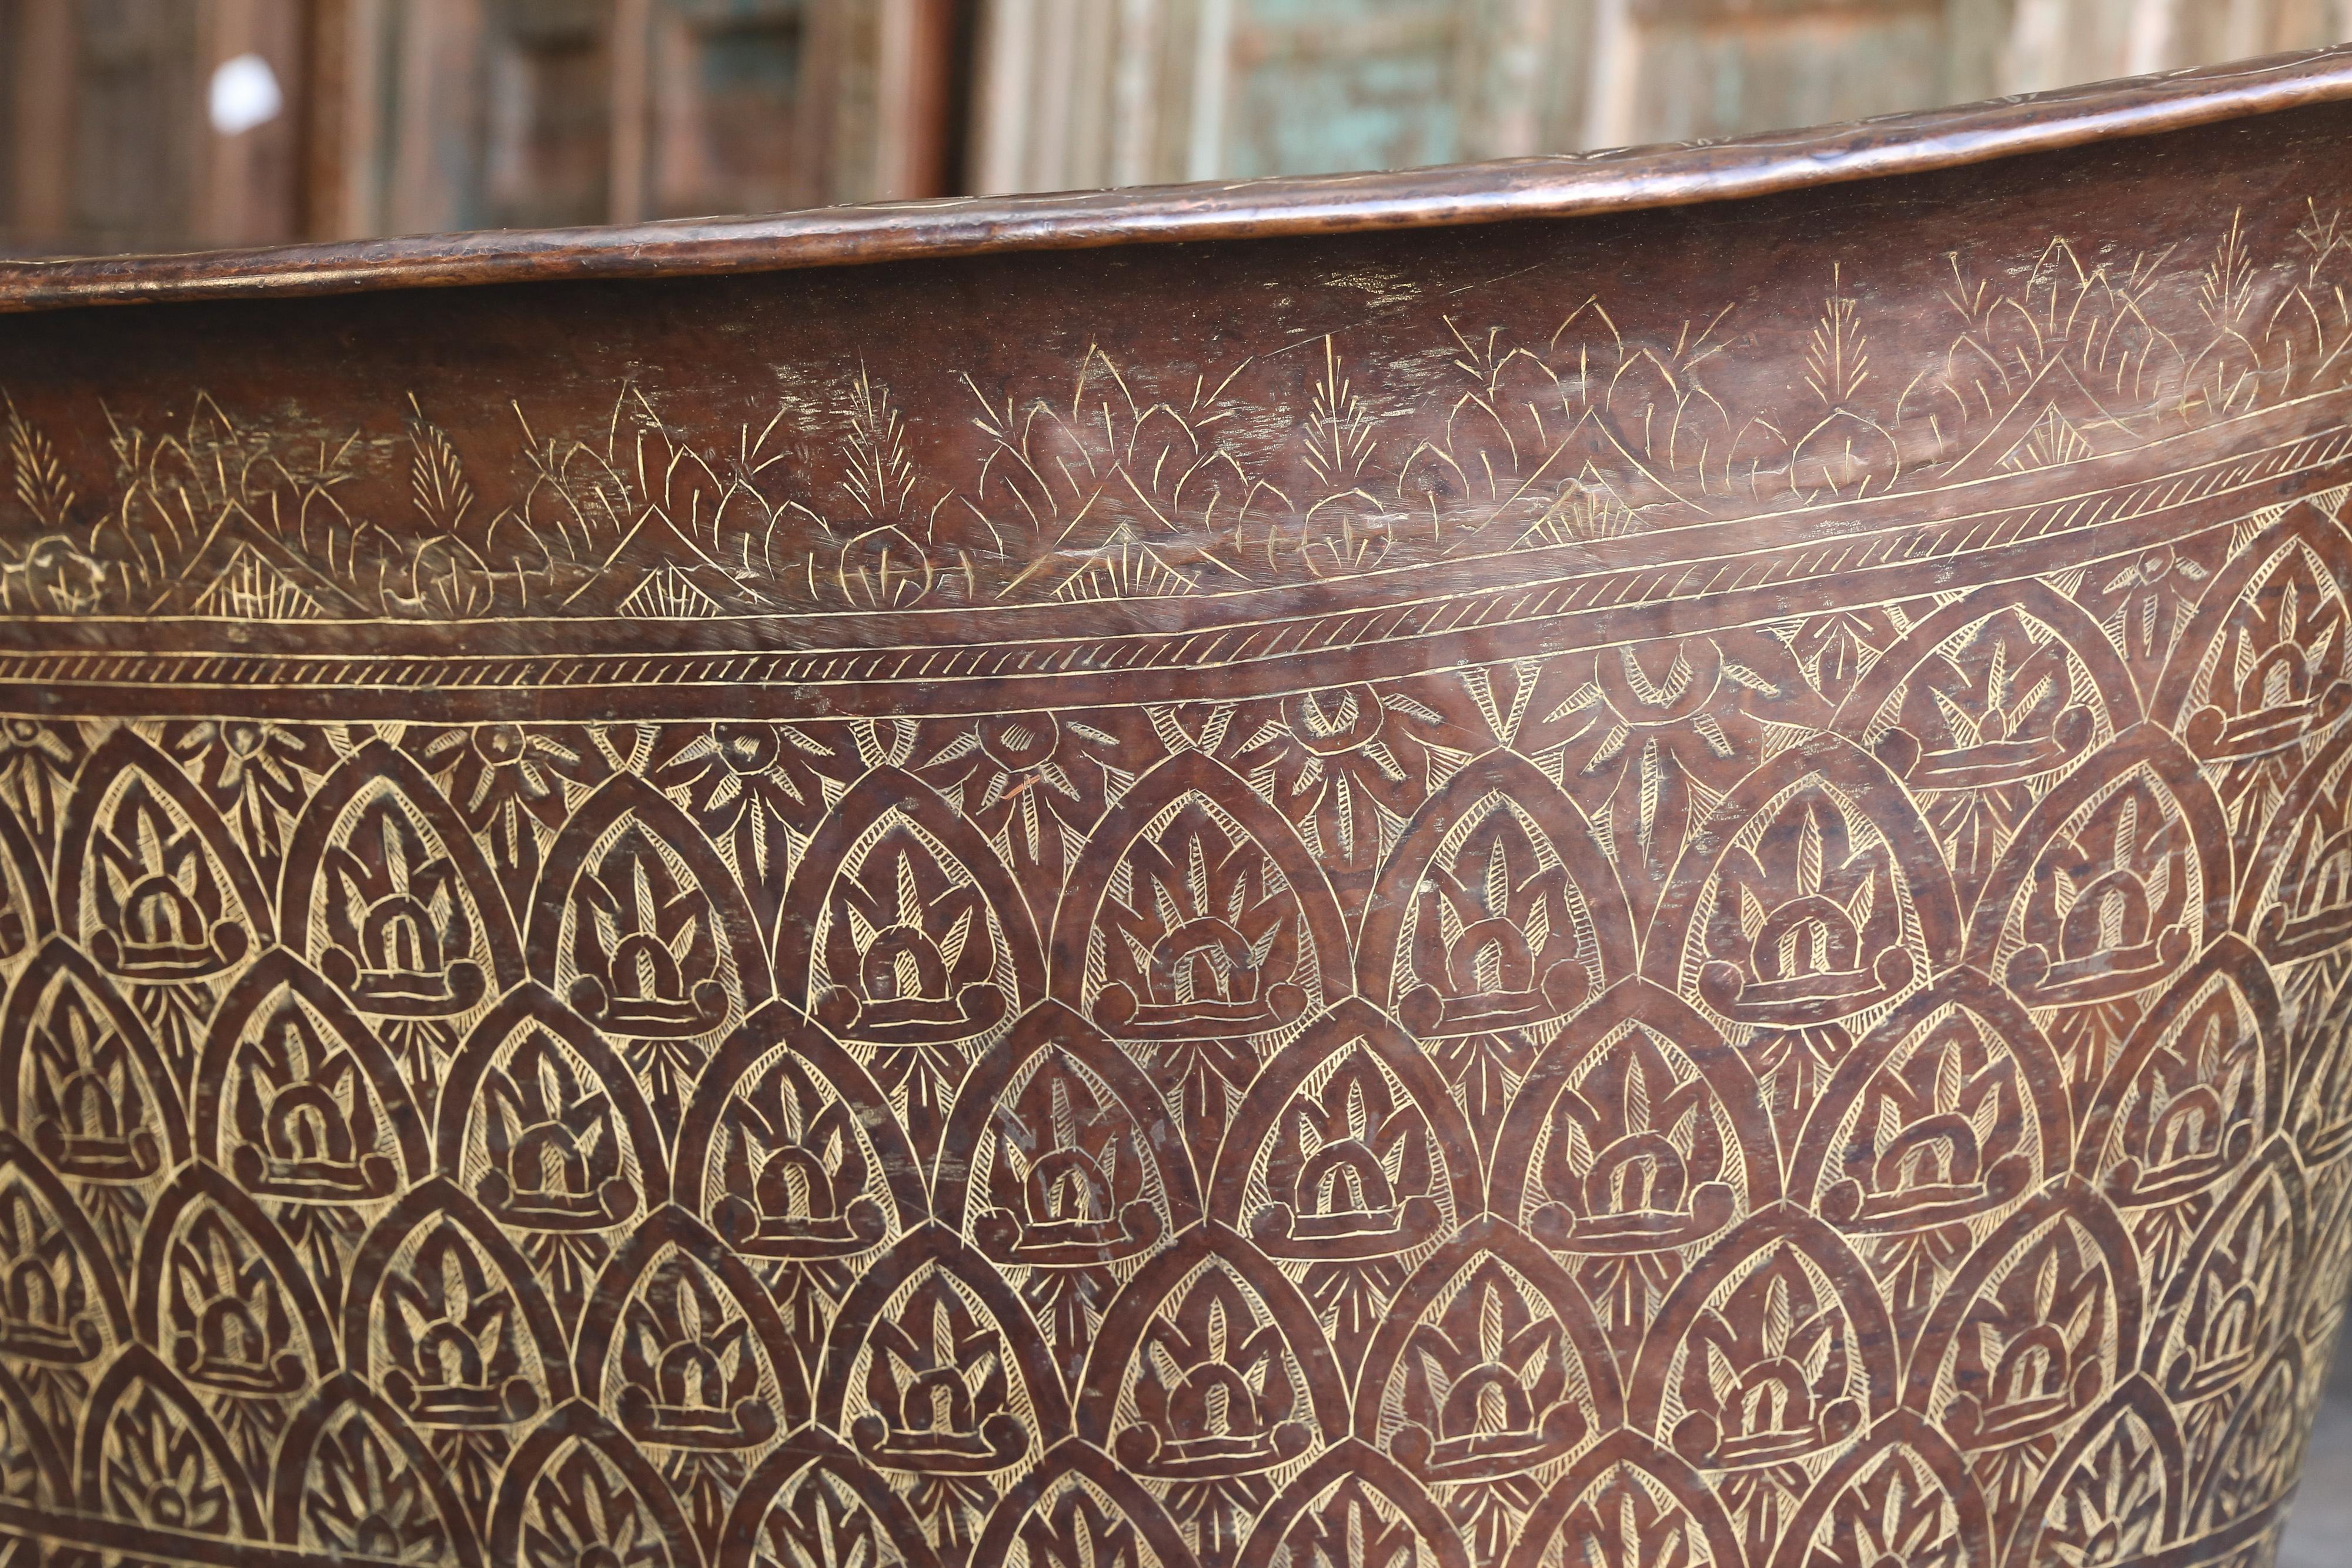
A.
x: 1084, y: 93
x: 498, y: 113
x: 401, y: 116
x: 105, y: 143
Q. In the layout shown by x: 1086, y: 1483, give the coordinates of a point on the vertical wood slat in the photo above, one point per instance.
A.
x: 1135, y: 90
x: 1212, y: 61
x: 1049, y: 146
x: 10, y: 69
x: 41, y: 119
x: 249, y: 185
x: 914, y: 98
x: 324, y: 129
x: 999, y: 106
x: 839, y: 43
x: 632, y: 109
x: 432, y: 109
x: 1609, y: 93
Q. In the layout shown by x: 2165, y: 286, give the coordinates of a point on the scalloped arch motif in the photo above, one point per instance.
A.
x: 1786, y: 1011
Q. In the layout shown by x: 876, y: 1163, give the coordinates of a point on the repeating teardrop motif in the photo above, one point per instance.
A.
x: 1814, y: 1088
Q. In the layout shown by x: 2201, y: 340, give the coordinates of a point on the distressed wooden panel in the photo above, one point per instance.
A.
x: 1673, y: 71
x: 1718, y: 68
x: 1085, y: 92
x: 1076, y: 93
x: 2057, y: 41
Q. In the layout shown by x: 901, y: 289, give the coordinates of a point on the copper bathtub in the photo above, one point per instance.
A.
x: 1640, y: 862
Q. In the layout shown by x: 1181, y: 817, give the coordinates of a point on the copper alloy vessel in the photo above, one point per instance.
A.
x: 1636, y: 862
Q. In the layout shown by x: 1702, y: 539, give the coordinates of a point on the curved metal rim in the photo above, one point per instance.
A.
x: 1566, y: 185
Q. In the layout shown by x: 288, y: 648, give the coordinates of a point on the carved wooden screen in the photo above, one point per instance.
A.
x: 1650, y: 891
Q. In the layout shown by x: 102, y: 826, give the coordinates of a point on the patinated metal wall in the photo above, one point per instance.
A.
x: 1650, y: 890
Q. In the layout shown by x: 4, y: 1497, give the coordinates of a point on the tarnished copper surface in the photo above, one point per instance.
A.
x: 1651, y: 889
